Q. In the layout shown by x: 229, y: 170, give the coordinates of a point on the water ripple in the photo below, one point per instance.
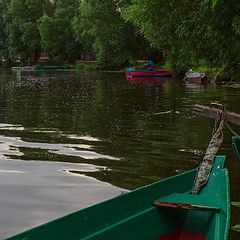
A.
x: 36, y: 192
x: 4, y: 126
x: 10, y: 146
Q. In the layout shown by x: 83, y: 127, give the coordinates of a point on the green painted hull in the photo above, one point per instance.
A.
x: 42, y: 68
x: 236, y: 146
x: 134, y: 216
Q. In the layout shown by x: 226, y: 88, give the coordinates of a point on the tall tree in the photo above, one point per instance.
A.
x: 101, y: 28
x: 4, y: 18
x: 57, y: 35
x: 23, y: 34
x: 163, y: 23
x: 226, y: 28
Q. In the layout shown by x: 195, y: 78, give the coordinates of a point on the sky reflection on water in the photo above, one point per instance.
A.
x: 33, y: 192
x: 12, y: 145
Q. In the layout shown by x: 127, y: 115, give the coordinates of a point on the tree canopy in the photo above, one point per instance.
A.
x: 99, y: 26
x: 23, y: 36
x: 183, y: 33
x: 56, y: 31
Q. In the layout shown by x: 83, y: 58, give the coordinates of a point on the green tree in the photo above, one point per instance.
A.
x: 225, y: 23
x: 4, y: 18
x: 57, y: 35
x: 163, y: 24
x: 214, y: 2
x: 23, y: 34
x: 189, y: 31
x: 99, y: 26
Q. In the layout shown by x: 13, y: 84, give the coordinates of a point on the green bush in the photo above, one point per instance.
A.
x: 85, y: 67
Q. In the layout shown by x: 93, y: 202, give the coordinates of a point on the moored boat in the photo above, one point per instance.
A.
x: 42, y: 68
x: 15, y: 69
x: 195, y: 77
x: 151, y: 73
x: 165, y: 210
x: 27, y: 68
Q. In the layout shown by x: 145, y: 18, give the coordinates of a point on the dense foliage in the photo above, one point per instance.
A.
x: 23, y: 36
x: 4, y: 18
x: 190, y: 31
x: 183, y: 33
x: 57, y: 35
x: 99, y: 26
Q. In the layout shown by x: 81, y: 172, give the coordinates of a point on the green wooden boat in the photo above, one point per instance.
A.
x: 236, y: 146
x: 165, y: 210
x: 43, y: 68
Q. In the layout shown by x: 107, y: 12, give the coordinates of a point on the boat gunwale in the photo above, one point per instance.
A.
x: 142, y: 188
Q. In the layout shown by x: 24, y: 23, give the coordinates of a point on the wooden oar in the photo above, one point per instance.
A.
x: 212, y: 111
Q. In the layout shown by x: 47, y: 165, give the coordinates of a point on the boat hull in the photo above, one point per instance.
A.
x: 134, y: 215
x: 40, y: 68
x: 196, y: 80
x: 44, y: 68
x: 192, y: 77
x: 140, y: 74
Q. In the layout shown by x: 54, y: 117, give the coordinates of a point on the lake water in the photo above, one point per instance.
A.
x: 71, y: 139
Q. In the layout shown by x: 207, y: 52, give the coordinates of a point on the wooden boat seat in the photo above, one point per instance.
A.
x: 189, y: 202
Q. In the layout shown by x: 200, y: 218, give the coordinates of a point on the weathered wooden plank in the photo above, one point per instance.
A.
x: 211, y: 112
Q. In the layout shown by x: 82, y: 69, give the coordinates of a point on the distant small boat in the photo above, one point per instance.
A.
x: 151, y: 73
x: 128, y: 69
x: 196, y: 77
x: 165, y: 210
x: 42, y: 68
x: 15, y: 69
x: 27, y: 68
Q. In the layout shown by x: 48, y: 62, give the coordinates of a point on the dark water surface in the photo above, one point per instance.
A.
x: 71, y: 139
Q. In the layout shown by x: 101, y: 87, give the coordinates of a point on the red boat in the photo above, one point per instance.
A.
x: 151, y: 73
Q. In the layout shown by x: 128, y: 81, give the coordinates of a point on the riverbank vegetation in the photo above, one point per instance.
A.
x: 182, y: 33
